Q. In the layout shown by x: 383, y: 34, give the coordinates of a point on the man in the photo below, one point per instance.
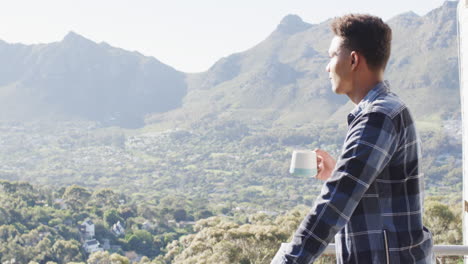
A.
x: 372, y: 198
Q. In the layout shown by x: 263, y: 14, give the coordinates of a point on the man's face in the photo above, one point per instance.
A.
x: 339, y: 67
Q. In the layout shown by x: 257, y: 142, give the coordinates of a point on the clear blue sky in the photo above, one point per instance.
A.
x: 189, y: 35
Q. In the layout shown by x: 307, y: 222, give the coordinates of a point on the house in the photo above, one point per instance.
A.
x: 118, y: 229
x: 87, y: 229
x: 91, y: 246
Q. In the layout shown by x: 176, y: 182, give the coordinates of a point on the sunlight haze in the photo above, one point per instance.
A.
x: 187, y: 35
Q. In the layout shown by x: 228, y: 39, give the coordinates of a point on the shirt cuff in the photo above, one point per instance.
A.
x: 280, y: 255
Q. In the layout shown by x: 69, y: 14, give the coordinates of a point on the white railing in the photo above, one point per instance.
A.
x: 443, y: 253
x: 450, y: 250
x: 439, y: 250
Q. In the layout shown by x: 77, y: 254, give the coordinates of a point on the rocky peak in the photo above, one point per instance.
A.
x: 291, y: 24
x: 74, y: 39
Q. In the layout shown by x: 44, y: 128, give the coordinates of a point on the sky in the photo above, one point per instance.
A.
x: 189, y: 35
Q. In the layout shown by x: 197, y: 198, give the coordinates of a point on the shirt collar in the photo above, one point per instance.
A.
x: 380, y: 88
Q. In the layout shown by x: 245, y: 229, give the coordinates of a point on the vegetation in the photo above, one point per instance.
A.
x: 218, y: 192
x: 36, y: 228
x: 222, y: 162
x: 42, y: 224
x: 207, y: 182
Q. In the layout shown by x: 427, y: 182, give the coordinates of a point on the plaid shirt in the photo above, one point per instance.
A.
x: 372, y: 203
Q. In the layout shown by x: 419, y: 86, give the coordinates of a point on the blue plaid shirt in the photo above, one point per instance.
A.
x: 372, y: 203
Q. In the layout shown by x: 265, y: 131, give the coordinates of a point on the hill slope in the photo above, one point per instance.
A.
x: 77, y: 78
x: 282, y: 80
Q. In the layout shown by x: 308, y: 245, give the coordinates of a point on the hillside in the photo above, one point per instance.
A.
x: 282, y: 81
x: 279, y: 82
x: 232, y: 128
x: 79, y: 79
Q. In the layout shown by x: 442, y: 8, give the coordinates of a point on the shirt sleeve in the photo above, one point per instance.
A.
x: 370, y: 143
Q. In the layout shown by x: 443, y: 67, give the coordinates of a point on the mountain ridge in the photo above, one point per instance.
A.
x: 286, y: 78
x: 281, y: 80
x: 77, y: 77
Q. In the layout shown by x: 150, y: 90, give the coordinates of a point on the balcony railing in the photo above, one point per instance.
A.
x: 439, y: 250
x: 442, y: 252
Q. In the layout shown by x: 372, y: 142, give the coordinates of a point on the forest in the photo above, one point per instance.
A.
x: 35, y: 227
x: 218, y: 192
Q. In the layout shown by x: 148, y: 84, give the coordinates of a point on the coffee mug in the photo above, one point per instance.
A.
x: 303, y: 163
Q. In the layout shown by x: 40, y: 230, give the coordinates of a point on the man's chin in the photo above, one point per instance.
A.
x: 339, y: 89
x: 335, y: 89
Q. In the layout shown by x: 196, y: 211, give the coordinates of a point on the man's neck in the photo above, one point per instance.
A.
x: 362, y: 87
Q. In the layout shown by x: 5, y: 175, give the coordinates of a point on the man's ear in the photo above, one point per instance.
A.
x: 355, y: 59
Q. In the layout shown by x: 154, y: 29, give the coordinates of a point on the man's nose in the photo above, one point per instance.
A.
x: 328, y: 67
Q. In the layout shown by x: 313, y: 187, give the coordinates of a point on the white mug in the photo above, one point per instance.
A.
x: 303, y: 163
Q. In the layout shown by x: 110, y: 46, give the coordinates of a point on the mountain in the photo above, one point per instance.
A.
x: 425, y: 62
x: 244, y: 115
x: 279, y: 82
x: 77, y: 78
x: 282, y: 80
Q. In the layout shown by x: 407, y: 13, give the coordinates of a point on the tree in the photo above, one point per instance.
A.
x: 118, y: 259
x: 66, y: 251
x: 142, y: 242
x: 8, y: 232
x: 204, y: 214
x: 180, y: 215
x: 111, y: 217
x: 127, y: 212
x: 106, y: 198
x: 102, y: 232
x: 99, y: 257
x: 103, y: 257
x: 77, y: 192
x: 76, y: 197
x: 43, y: 250
x: 443, y: 223
x: 144, y: 260
x: 220, y: 240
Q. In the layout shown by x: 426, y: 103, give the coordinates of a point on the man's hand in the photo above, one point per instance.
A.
x: 325, y: 164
